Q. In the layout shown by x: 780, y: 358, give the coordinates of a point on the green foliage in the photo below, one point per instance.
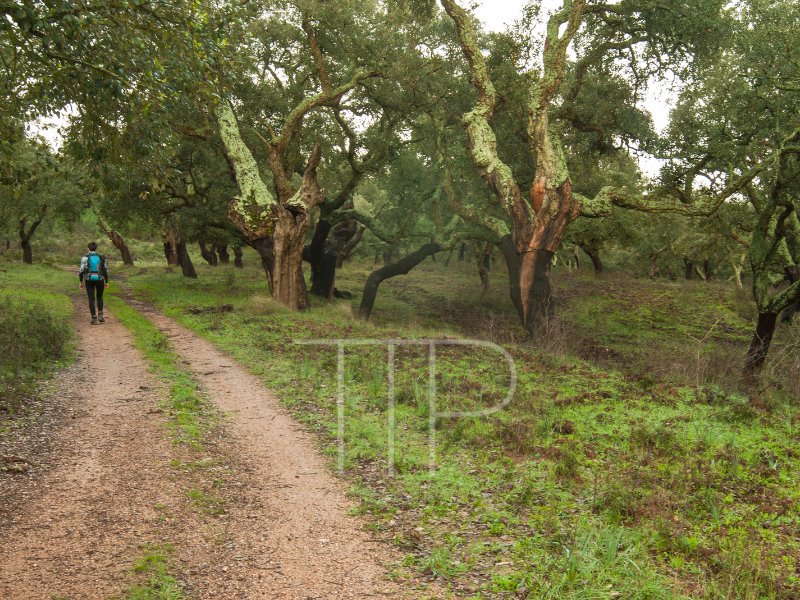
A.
x: 744, y: 106
x: 187, y: 407
x: 35, y: 333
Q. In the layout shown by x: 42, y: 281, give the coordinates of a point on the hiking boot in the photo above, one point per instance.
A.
x: 94, y: 320
x: 100, y: 317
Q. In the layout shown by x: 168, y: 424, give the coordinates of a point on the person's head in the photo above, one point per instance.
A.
x: 92, y: 246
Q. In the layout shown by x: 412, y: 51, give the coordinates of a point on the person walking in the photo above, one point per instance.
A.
x: 94, y: 277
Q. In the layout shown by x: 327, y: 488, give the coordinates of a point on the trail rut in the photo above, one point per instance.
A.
x: 112, y: 490
x: 325, y: 551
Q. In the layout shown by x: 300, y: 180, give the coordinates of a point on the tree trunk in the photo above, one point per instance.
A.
x: 288, y: 285
x: 116, y: 239
x: 483, y: 272
x: 323, y: 281
x: 461, y: 252
x: 184, y: 260
x: 512, y: 262
x: 323, y: 254
x: 537, y: 296
x: 577, y: 256
x: 349, y: 247
x: 688, y: 271
x: 280, y: 243
x: 598, y: 264
x: 27, y: 252
x: 208, y: 255
x: 323, y: 271
x: 759, y: 346
x: 237, y: 261
x: 707, y: 270
x: 401, y: 267
x: 737, y: 277
x: 653, y: 259
x: 25, y: 238
x: 487, y: 255
x: 121, y: 245
x: 700, y: 273
x: 170, y: 246
x: 449, y: 256
x: 275, y: 227
x: 224, y: 257
x: 540, y: 222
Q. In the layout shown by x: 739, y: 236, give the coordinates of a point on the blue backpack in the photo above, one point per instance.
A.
x: 94, y: 267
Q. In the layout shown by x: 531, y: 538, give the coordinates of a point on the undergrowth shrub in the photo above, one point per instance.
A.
x: 31, y: 338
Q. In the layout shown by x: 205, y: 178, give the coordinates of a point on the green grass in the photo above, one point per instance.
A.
x: 36, y: 338
x: 691, y: 480
x: 189, y: 413
x: 154, y: 565
x: 629, y: 464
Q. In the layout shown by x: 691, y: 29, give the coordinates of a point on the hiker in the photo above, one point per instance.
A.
x: 94, y: 276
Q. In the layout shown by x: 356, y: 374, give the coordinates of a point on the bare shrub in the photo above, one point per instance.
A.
x: 784, y: 364
x: 550, y: 334
x: 262, y: 306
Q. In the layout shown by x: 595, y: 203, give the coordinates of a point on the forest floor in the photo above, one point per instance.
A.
x: 631, y: 462
x: 106, y: 502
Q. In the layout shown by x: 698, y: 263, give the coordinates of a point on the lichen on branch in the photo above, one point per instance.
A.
x: 674, y: 200
x: 252, y: 189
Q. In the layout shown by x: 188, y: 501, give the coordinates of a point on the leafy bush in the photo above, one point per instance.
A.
x: 31, y: 339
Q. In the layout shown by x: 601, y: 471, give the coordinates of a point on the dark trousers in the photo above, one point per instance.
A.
x: 93, y: 287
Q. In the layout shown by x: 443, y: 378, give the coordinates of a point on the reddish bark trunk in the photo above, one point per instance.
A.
x: 538, y: 247
x: 280, y: 242
x: 121, y: 245
x: 534, y: 283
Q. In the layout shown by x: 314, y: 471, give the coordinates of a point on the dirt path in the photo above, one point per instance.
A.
x: 111, y: 490
x: 324, y: 552
x: 69, y: 529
